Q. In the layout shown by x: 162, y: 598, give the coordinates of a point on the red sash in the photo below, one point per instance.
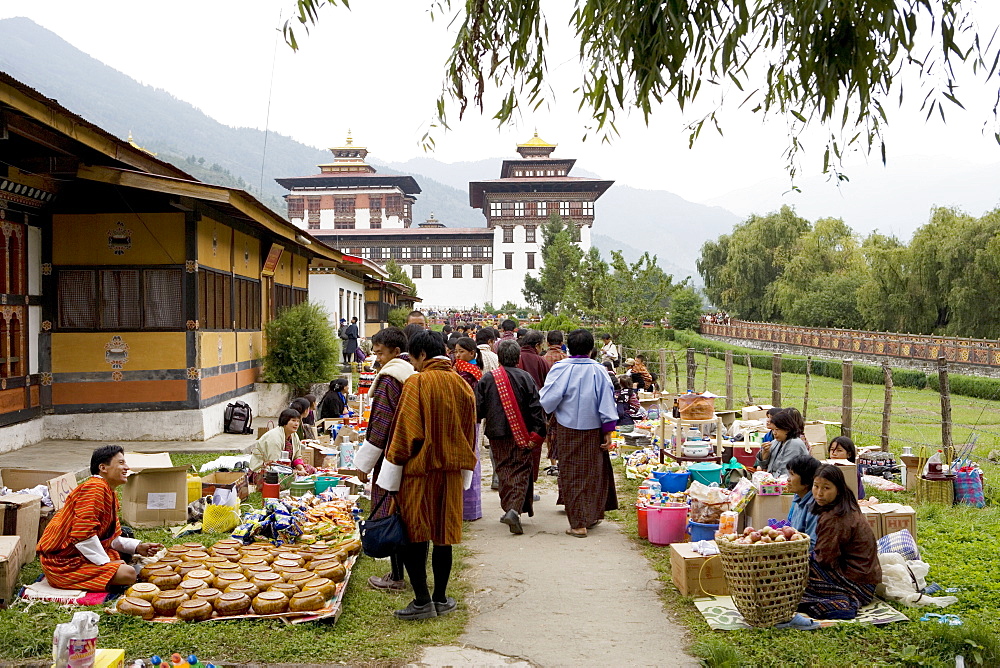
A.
x: 469, y: 368
x: 513, y: 412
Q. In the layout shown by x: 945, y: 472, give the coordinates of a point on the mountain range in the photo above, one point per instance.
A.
x: 627, y: 219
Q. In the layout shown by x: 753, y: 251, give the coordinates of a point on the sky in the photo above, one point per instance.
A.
x: 378, y: 68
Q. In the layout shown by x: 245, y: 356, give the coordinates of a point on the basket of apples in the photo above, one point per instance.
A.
x: 766, y: 570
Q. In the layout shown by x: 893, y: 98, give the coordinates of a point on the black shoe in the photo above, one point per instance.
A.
x: 450, y: 605
x: 513, y: 520
x: 414, y: 611
x: 495, y: 483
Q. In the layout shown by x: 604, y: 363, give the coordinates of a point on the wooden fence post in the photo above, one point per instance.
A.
x: 805, y: 397
x: 886, y: 405
x: 677, y: 373
x: 729, y: 380
x: 847, y: 398
x: 692, y: 369
x: 705, y: 388
x: 945, y: 388
x: 749, y: 378
x: 776, y: 379
x: 661, y: 381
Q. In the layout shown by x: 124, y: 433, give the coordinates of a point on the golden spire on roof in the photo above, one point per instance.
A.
x: 134, y: 145
x: 350, y: 140
x: 537, y: 141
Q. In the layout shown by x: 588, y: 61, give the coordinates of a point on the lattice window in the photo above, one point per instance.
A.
x: 529, y: 234
x: 396, y: 253
x: 477, y: 251
x: 343, y: 206
x: 394, y: 205
x: 543, y: 208
x: 436, y: 271
x: 477, y: 271
x: 417, y: 271
x: 588, y: 208
x: 531, y: 260
x: 296, y: 207
x: 120, y: 299
x: 564, y: 208
x: 494, y: 209
x: 508, y: 260
x: 576, y: 209
x: 163, y: 291
x: 508, y: 235
x: 506, y: 209
x: 375, y: 204
x: 519, y: 209
x: 456, y: 271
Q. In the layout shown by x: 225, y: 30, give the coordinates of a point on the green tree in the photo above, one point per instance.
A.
x: 836, y: 63
x: 685, y: 308
x: 634, y: 293
x: 591, y: 282
x: 397, y: 275
x: 302, y: 347
x: 741, y: 268
x: 882, y: 299
x: 397, y: 316
x: 555, y: 289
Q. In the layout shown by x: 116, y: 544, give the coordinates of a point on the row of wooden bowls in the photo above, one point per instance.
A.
x: 229, y: 579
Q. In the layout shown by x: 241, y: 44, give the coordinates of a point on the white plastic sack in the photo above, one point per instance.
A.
x: 898, y: 584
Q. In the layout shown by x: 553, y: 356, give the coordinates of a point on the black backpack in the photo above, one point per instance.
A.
x: 237, y: 418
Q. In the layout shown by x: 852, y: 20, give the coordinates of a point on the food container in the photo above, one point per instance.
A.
x: 306, y: 601
x: 202, y: 574
x: 696, y: 450
x: 270, y: 603
x: 165, y: 581
x: 288, y: 573
x: 336, y: 573
x: 248, y: 588
x: 232, y: 603
x: 147, y: 591
x: 189, y: 587
x: 285, y: 588
x: 137, y: 607
x: 195, y: 555
x: 208, y: 594
x: 265, y: 581
x: 167, y: 602
x: 223, y: 580
x: 194, y: 611
x: 325, y: 586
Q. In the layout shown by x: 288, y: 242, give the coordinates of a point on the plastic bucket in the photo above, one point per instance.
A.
x: 706, y: 472
x: 325, y: 482
x: 699, y: 531
x: 671, y: 481
x: 302, y: 487
x: 642, y: 520
x: 667, y: 524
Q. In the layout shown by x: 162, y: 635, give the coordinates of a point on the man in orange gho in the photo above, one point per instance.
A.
x: 79, y: 548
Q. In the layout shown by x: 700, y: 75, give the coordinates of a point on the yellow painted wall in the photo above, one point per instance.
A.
x: 209, y: 354
x: 249, y: 346
x: 214, y: 244
x: 283, y: 272
x: 156, y: 238
x: 147, y: 351
x: 300, y: 271
x: 247, y: 256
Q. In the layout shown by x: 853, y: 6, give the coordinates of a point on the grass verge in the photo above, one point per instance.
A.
x: 367, y: 633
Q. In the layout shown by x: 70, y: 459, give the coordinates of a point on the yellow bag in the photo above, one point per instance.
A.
x: 220, y: 519
x: 696, y: 407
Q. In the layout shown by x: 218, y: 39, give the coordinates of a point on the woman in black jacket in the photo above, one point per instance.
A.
x: 334, y: 402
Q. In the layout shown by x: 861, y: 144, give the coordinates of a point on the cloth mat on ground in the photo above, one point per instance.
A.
x: 41, y: 590
x: 721, y: 614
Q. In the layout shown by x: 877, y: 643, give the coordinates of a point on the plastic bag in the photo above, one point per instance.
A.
x: 904, y: 581
x: 696, y: 407
x: 707, y: 503
x: 220, y: 518
x: 74, y: 644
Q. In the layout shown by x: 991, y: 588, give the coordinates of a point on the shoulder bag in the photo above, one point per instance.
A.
x: 383, y: 537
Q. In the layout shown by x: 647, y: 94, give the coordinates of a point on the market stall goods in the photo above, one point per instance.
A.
x: 202, y: 574
x: 189, y: 587
x: 325, y: 586
x: 195, y: 555
x: 209, y: 594
x: 165, y: 581
x: 167, y: 602
x: 248, y: 588
x: 267, y: 580
x: 155, y: 567
x: 299, y: 579
x: 130, y: 605
x: 188, y: 566
x: 223, y: 580
x: 194, y: 611
x: 144, y: 590
x: 270, y: 603
x: 232, y: 603
x: 306, y: 601
x: 336, y: 572
x: 288, y: 590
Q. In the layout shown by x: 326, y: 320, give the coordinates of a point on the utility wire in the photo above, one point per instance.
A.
x: 267, y: 119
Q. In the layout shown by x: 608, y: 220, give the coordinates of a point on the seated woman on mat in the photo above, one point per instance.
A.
x: 79, y: 549
x: 842, y: 447
x: 843, y: 568
x: 801, y: 471
x: 787, y: 426
x: 280, y: 442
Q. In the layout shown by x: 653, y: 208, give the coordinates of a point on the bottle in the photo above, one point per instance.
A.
x: 676, y: 411
x: 655, y: 489
x: 193, y: 661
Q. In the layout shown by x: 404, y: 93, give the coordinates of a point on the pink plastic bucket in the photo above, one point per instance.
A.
x: 667, y: 524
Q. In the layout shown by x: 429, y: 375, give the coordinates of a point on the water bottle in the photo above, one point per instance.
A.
x: 655, y: 490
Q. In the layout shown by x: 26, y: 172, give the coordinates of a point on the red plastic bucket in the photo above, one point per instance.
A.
x: 643, y: 526
x: 667, y: 524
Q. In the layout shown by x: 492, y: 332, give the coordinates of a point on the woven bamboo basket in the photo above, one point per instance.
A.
x: 766, y: 580
x: 936, y: 491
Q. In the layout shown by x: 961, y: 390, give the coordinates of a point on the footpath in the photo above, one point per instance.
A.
x: 548, y: 599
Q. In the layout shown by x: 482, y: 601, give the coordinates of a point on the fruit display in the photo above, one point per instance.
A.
x: 231, y: 579
x: 751, y: 536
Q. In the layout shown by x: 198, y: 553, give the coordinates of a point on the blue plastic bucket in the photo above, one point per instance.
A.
x: 699, y: 531
x: 706, y: 472
x: 671, y: 481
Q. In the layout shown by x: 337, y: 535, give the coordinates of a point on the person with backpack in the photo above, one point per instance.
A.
x: 350, y: 341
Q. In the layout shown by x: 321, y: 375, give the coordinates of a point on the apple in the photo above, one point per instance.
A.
x: 755, y: 536
x: 788, y: 532
x: 766, y: 539
x: 780, y: 539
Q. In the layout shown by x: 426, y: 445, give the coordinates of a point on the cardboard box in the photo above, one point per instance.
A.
x: 763, y: 508
x: 19, y: 516
x: 109, y: 658
x: 874, y: 520
x: 849, y: 470
x: 911, y: 471
x: 226, y: 480
x: 818, y: 438
x: 896, y: 517
x: 692, y: 572
x: 60, y: 483
x: 156, y: 491
x: 755, y: 412
x: 11, y: 560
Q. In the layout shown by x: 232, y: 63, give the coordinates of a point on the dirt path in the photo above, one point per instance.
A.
x: 547, y: 599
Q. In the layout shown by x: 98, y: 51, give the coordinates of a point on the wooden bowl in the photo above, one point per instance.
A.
x: 194, y: 611
x: 232, y: 603
x: 228, y: 542
x: 299, y: 579
x: 248, y: 588
x: 169, y: 560
x: 147, y: 591
x: 156, y: 567
x: 227, y: 553
x: 270, y: 603
x: 336, y: 573
x: 208, y: 594
x: 306, y: 601
x: 292, y: 556
x: 223, y: 580
x: 201, y: 574
x: 227, y: 568
x: 256, y: 569
x: 165, y: 581
x: 167, y: 602
x: 193, y: 546
x: 285, y: 588
x: 279, y: 565
x: 326, y: 586
x: 178, y: 550
x: 212, y: 562
x: 189, y: 587
x: 196, y: 555
x: 266, y: 580
x: 188, y: 566
x: 289, y: 573
x: 137, y: 607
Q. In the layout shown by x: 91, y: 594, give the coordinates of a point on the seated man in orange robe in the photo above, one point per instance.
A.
x: 79, y: 548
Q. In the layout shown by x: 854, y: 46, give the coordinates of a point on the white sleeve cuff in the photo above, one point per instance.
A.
x: 93, y: 551
x: 390, y: 477
x: 366, y: 457
x: 466, y: 479
x: 123, y: 544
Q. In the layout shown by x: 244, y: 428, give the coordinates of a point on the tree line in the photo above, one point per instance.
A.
x: 783, y: 268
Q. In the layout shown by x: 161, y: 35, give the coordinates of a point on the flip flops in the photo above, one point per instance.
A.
x: 799, y: 623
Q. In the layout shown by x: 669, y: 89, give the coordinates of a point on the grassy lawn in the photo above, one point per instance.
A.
x: 367, y: 633
x: 959, y: 542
